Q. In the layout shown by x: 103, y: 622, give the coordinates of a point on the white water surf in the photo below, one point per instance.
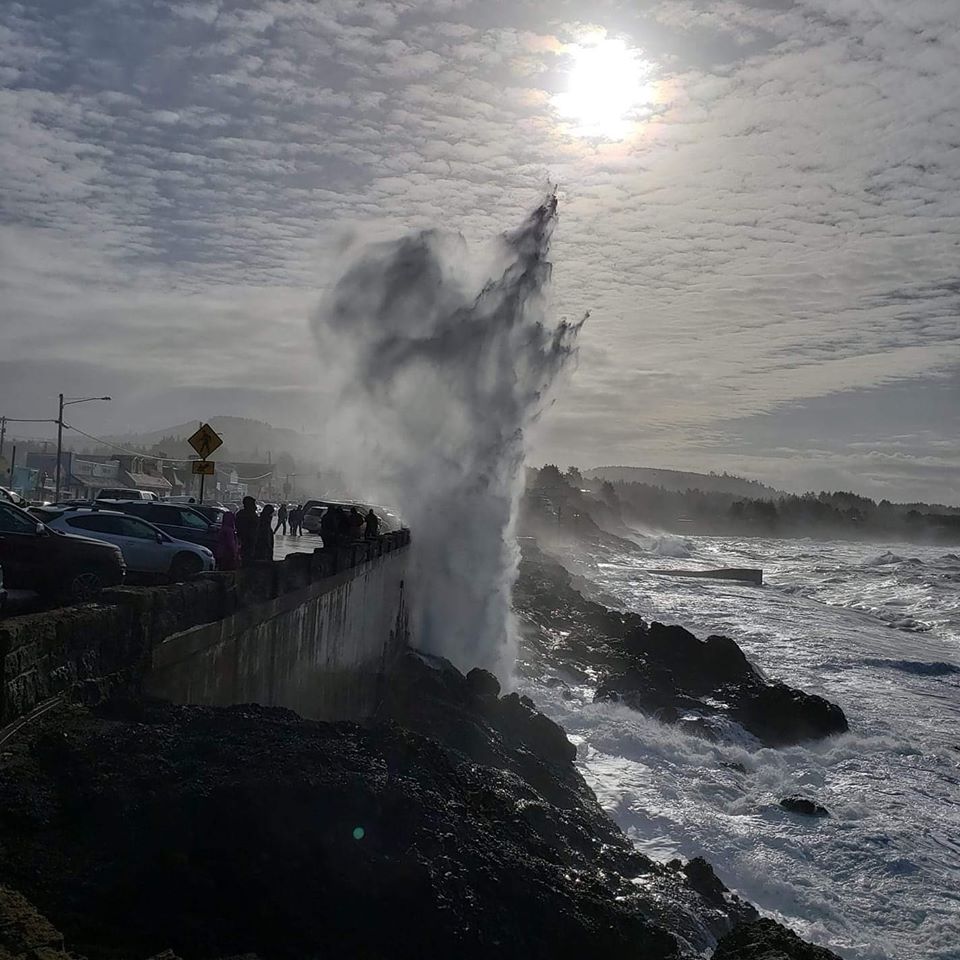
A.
x: 876, y: 630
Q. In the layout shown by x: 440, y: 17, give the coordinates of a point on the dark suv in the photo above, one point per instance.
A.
x: 179, y: 520
x: 34, y: 557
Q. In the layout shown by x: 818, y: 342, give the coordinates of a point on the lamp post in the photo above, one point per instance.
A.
x: 66, y: 403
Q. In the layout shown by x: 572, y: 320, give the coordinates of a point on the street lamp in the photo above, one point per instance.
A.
x: 66, y: 403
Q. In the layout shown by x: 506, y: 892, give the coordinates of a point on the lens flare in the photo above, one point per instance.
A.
x: 609, y: 90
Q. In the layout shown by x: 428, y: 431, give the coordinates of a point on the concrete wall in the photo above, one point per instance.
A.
x: 313, y: 632
x: 321, y: 650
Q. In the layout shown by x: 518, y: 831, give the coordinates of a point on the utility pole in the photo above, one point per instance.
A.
x: 64, y: 403
x: 3, y: 432
x: 56, y: 496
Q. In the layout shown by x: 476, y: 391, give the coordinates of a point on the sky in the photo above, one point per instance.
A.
x: 760, y: 208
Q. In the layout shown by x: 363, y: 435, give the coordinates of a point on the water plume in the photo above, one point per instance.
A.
x: 435, y: 385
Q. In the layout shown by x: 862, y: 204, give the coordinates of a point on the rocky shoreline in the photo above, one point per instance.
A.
x: 454, y: 824
x: 663, y: 671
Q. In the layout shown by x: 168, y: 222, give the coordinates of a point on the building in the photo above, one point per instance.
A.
x: 80, y: 476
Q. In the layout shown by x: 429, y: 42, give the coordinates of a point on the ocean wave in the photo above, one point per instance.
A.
x: 669, y: 547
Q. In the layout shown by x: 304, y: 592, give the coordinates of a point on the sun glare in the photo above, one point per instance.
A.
x: 609, y: 90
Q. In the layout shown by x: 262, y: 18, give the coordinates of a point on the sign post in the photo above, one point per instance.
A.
x: 204, y: 441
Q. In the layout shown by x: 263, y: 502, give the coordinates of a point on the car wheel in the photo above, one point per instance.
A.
x: 185, y: 565
x: 85, y: 585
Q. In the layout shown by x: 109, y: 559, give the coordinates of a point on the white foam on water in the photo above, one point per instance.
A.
x: 880, y: 878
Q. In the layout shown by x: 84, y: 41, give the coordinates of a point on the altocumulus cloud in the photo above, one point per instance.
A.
x: 782, y: 228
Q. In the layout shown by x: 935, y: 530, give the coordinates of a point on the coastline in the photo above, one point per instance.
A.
x: 137, y: 827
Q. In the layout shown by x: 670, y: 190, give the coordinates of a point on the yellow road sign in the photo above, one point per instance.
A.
x: 205, y: 441
x: 203, y: 467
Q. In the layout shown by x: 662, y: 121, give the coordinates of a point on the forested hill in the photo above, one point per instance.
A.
x: 681, y: 480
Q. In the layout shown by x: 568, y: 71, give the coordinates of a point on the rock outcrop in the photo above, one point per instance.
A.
x: 142, y: 827
x: 767, y: 940
x: 664, y: 671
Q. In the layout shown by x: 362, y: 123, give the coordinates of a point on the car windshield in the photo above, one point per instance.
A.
x: 15, y: 520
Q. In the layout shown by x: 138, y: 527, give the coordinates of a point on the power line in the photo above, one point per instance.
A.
x: 147, y: 456
x: 131, y: 453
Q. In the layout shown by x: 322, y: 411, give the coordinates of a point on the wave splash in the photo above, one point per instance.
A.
x: 434, y: 387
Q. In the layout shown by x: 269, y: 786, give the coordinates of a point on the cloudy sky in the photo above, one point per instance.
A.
x: 760, y: 207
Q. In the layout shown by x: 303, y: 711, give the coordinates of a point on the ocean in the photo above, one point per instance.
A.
x: 873, y: 628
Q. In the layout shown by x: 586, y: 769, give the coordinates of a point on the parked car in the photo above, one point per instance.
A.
x: 212, y: 513
x: 124, y: 493
x: 178, y: 520
x: 11, y: 496
x: 34, y: 557
x: 312, y: 517
x: 147, y: 550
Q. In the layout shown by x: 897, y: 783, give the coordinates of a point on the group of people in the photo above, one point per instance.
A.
x: 292, y: 517
x: 342, y: 526
x: 247, y: 535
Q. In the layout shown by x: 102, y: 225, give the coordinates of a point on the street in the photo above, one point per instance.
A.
x: 304, y: 543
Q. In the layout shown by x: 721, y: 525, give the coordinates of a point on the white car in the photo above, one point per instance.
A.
x: 146, y: 549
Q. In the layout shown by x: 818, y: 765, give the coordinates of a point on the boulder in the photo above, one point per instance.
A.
x: 802, y: 805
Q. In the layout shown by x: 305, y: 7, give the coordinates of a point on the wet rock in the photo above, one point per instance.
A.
x: 661, y: 670
x: 782, y: 715
x: 808, y: 808
x: 482, y: 683
x: 219, y: 832
x: 766, y: 940
x: 733, y: 765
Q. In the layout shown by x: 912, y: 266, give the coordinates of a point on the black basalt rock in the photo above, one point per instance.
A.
x: 662, y: 670
x: 482, y: 683
x: 781, y: 715
x: 804, y: 806
x: 766, y: 940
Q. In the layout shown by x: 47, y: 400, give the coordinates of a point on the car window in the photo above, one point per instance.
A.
x: 93, y: 522
x: 190, y: 519
x: 157, y: 514
x: 132, y: 527
x: 13, y: 520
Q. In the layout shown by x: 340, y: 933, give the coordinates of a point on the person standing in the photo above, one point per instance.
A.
x: 372, y: 528
x: 228, y: 544
x: 329, y: 528
x: 281, y: 519
x: 264, y: 547
x: 246, y: 527
x: 296, y: 519
x: 355, y: 523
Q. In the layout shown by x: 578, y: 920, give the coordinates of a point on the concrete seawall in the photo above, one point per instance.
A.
x: 313, y: 632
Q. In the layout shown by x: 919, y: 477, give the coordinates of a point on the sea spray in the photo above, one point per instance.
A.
x: 434, y: 385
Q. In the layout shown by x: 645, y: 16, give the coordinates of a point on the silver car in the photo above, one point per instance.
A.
x: 147, y: 550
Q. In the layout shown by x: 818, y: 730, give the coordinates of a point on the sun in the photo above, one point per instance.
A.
x: 609, y: 90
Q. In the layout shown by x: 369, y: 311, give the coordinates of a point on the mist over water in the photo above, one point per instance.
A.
x: 436, y: 379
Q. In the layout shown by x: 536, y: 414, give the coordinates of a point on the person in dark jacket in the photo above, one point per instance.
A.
x: 372, y: 529
x: 329, y: 528
x: 296, y: 520
x: 264, y: 547
x: 354, y: 524
x: 282, y: 519
x: 246, y: 524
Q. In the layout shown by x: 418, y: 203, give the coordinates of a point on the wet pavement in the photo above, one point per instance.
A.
x: 304, y: 543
